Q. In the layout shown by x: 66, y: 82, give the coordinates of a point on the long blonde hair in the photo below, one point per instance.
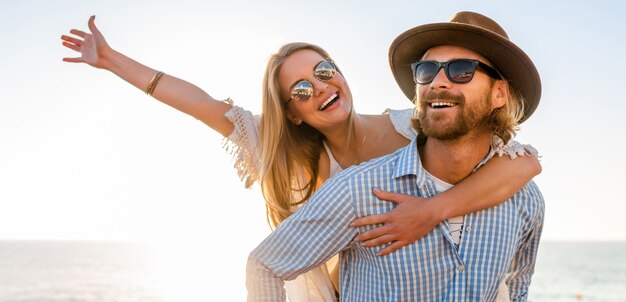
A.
x: 289, y: 152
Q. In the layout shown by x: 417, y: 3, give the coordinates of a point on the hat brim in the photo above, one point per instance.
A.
x: 510, y: 60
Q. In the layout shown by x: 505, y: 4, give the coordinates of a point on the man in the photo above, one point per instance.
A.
x: 472, y: 87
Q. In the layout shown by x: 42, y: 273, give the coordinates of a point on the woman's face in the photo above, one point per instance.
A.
x: 331, y: 102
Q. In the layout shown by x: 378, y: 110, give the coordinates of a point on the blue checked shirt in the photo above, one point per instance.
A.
x: 498, y: 244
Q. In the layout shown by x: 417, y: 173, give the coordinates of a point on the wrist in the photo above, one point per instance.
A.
x: 441, y: 211
x: 110, y: 59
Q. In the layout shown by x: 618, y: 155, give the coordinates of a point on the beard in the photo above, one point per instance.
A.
x: 467, y: 119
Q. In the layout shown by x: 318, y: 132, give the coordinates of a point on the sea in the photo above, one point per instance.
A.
x: 64, y: 271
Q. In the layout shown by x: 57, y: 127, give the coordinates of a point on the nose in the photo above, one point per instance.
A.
x: 318, y: 86
x: 441, y: 80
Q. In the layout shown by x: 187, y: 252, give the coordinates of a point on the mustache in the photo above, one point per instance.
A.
x: 443, y: 95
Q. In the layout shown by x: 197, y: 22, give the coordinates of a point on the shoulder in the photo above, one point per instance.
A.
x: 408, y: 112
x: 512, y: 148
x: 530, y: 201
x: 401, y: 121
x: 378, y: 166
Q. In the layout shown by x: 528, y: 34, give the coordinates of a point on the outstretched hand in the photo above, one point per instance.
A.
x: 91, y: 46
x: 413, y: 218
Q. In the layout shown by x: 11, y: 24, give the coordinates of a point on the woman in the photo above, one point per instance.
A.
x: 308, y: 133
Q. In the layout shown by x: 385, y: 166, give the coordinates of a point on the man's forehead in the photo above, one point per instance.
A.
x: 444, y: 53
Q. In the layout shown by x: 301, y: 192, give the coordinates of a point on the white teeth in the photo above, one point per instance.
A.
x: 442, y: 104
x: 330, y: 99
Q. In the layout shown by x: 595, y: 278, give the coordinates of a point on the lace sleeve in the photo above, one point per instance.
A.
x: 243, y: 144
x: 513, y: 148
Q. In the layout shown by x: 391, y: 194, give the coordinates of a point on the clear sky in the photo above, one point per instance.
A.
x: 84, y: 155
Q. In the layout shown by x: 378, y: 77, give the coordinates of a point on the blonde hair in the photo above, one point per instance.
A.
x: 504, y: 121
x: 289, y: 152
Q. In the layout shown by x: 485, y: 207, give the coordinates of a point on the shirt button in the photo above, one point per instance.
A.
x: 460, y: 268
x: 467, y: 229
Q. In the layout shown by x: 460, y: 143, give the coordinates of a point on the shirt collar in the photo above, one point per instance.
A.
x: 409, y: 163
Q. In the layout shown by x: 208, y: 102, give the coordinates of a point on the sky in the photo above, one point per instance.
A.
x: 86, y: 156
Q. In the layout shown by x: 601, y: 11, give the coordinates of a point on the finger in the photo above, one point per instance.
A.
x: 73, y: 60
x: 375, y: 233
x: 92, y: 25
x: 379, y: 240
x: 392, y: 248
x: 79, y: 33
x: 71, y: 40
x: 71, y: 46
x: 368, y: 220
x: 389, y: 196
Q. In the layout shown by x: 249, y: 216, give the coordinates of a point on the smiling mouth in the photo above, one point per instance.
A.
x: 439, y: 105
x: 331, y: 100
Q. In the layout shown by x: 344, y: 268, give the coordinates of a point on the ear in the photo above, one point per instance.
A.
x: 499, y: 94
x: 294, y: 119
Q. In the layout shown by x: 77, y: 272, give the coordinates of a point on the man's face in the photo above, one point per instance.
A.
x: 448, y: 110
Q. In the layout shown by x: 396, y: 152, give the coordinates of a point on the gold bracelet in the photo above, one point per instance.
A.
x: 153, y: 82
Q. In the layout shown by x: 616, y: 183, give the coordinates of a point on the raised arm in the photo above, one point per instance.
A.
x: 182, y: 95
x: 414, y: 217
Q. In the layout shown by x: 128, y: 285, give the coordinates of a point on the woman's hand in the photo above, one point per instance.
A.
x: 413, y: 218
x: 92, y: 47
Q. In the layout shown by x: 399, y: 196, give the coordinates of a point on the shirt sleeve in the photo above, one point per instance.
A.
x: 243, y: 144
x: 401, y: 121
x: 523, y: 264
x: 316, y: 232
x: 513, y: 148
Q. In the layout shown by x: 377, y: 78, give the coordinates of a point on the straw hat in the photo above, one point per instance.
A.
x: 472, y: 31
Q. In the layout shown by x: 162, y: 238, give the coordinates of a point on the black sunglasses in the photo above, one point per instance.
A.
x: 457, y: 70
x: 303, y: 90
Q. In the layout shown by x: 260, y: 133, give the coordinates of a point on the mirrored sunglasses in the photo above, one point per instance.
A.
x: 458, y: 70
x: 303, y: 90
